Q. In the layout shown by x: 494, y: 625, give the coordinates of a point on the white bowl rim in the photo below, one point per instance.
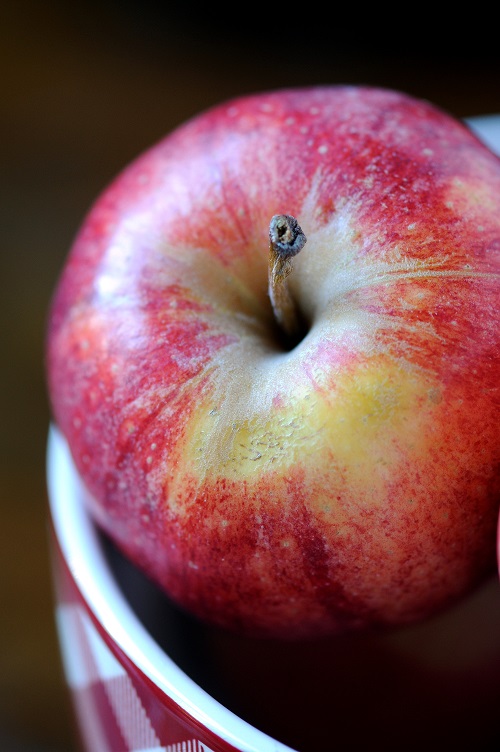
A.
x: 82, y: 551
x: 487, y: 127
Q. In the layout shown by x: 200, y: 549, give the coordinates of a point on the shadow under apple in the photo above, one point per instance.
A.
x: 433, y: 684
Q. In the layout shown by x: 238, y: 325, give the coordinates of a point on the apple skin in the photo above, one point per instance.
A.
x: 351, y: 481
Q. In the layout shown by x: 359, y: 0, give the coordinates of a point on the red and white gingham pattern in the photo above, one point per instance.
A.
x: 111, y: 709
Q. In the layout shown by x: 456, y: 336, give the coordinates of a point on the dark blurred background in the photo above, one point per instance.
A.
x: 84, y: 87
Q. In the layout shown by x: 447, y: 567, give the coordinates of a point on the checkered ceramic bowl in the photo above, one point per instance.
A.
x: 129, y: 695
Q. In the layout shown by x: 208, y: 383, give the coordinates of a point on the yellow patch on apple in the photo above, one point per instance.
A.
x: 368, y: 419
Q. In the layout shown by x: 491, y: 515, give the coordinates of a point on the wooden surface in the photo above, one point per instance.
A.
x: 83, y: 89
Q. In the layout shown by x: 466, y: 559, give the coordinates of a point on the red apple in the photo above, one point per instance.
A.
x: 345, y: 480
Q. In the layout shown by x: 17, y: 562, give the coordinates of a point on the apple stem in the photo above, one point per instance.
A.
x: 286, y: 239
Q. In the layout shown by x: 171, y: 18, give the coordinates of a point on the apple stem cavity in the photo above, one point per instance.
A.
x: 286, y: 239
